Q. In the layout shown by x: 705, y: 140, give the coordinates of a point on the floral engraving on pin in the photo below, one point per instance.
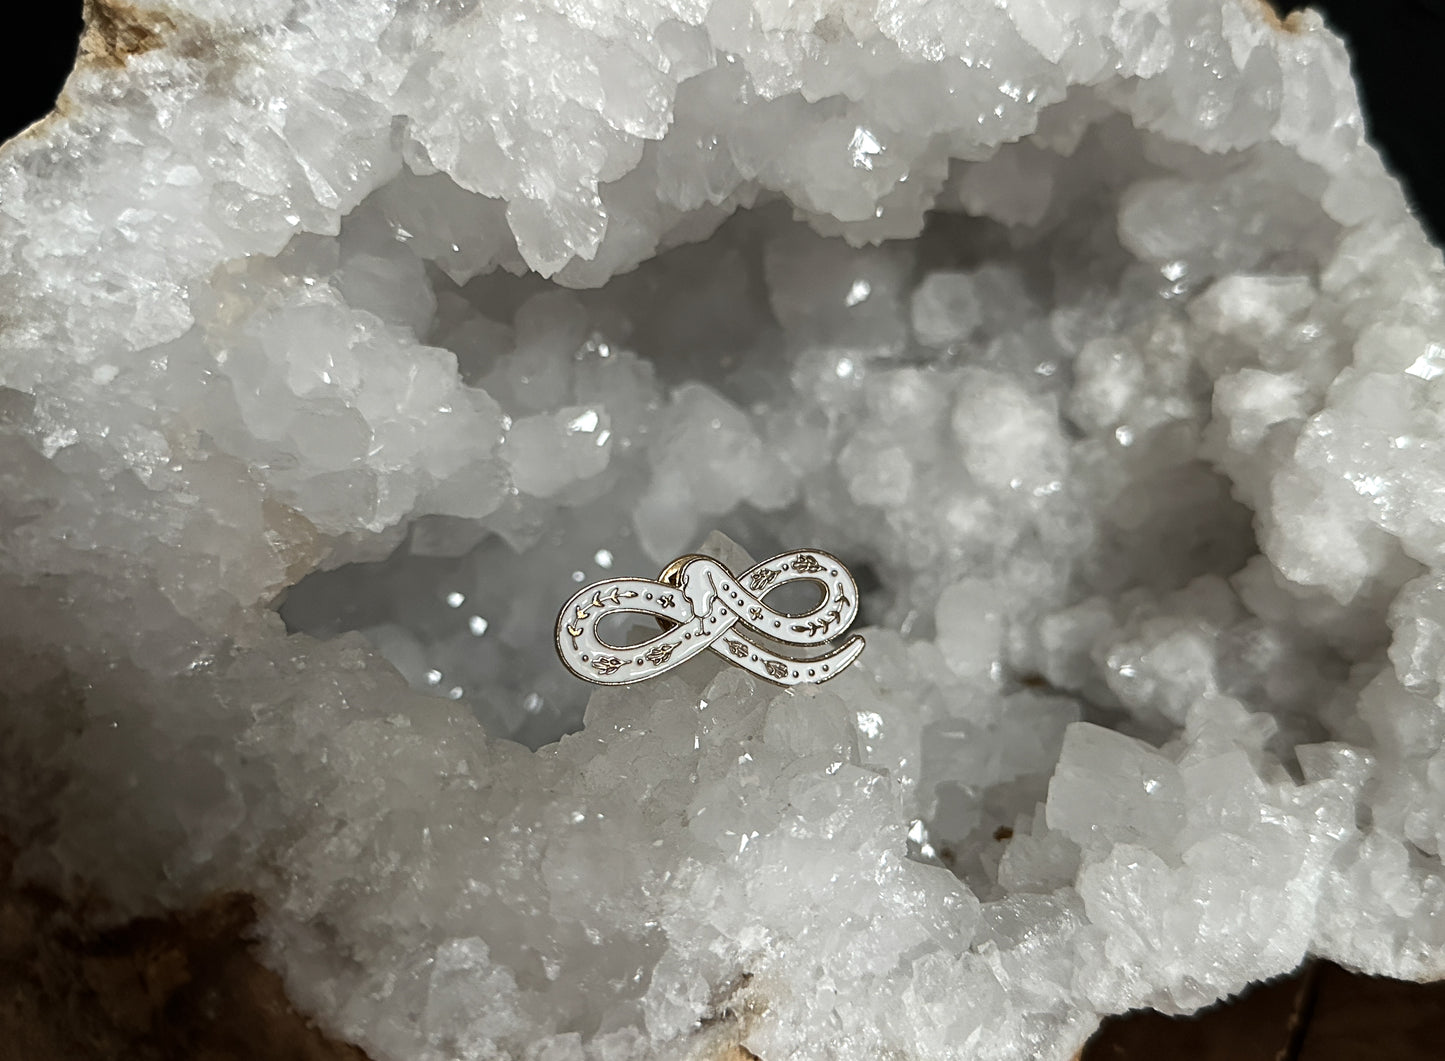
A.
x: 762, y: 578
x: 807, y: 565
x: 667, y: 600
x: 737, y: 648
x: 776, y: 668
x: 599, y: 601
x: 606, y: 664
x: 818, y: 626
x: 755, y: 613
x: 660, y: 654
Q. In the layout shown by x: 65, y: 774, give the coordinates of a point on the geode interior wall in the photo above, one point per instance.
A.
x: 341, y: 342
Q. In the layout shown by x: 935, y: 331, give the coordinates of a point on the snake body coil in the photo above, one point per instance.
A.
x: 702, y: 605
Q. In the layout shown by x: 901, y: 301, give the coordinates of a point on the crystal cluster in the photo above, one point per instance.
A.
x: 342, y: 342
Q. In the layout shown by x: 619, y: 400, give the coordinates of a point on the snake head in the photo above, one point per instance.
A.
x: 698, y: 591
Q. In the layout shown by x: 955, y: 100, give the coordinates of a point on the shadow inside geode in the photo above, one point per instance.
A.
x: 777, y: 340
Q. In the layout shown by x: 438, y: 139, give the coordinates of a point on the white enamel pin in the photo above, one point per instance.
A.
x: 700, y: 604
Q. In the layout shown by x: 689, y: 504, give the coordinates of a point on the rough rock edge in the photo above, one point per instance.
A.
x: 183, y: 985
x: 115, y: 31
x: 1290, y: 23
x: 188, y: 984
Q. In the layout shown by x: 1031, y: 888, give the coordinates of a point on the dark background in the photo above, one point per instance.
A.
x: 1398, y: 46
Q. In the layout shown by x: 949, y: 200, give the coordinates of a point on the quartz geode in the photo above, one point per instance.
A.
x: 340, y: 342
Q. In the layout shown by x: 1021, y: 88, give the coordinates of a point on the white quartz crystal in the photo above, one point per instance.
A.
x: 341, y: 342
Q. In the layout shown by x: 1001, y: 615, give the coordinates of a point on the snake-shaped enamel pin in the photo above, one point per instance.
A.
x: 700, y: 604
